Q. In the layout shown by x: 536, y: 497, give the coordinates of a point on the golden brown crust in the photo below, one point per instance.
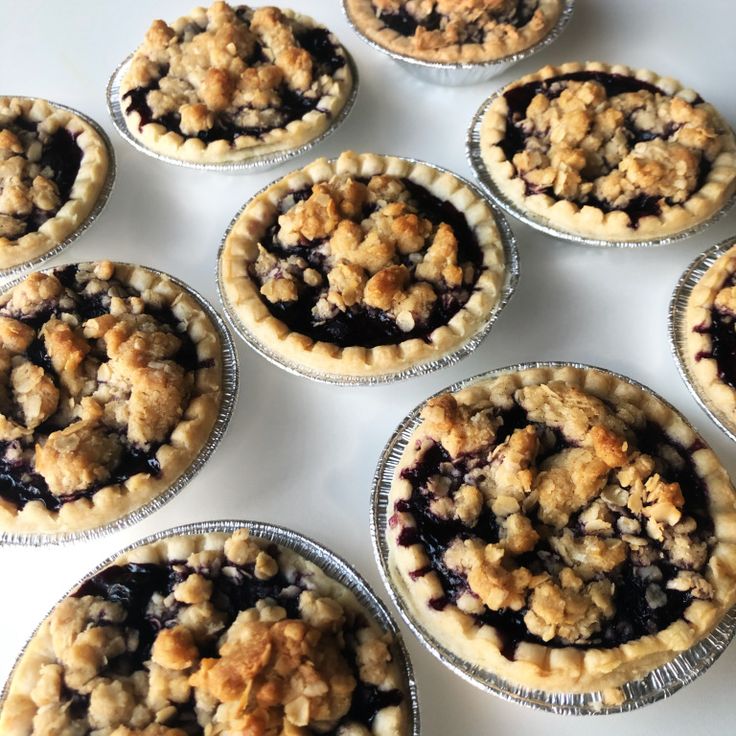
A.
x: 595, y: 479
x: 366, y: 267
x: 461, y: 23
x: 111, y: 386
x: 212, y: 82
x: 27, y: 186
x: 583, y: 154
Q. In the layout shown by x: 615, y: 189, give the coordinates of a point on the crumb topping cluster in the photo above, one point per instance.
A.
x: 554, y: 509
x: 587, y: 142
x: 380, y: 248
x: 207, y: 644
x: 90, y: 376
x: 229, y: 71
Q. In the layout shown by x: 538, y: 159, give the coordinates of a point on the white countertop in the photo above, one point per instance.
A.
x: 302, y: 454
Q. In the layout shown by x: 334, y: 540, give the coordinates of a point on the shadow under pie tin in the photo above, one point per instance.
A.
x: 508, y: 287
x: 678, y: 332
x: 263, y: 162
x: 229, y: 391
x: 456, y: 74
x: 97, y: 208
x: 658, y: 684
x: 335, y: 567
x: 475, y: 159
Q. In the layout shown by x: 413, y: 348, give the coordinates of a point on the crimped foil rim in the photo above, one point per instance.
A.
x: 554, y: 33
x: 100, y: 202
x: 660, y: 683
x: 508, y: 287
x: 256, y: 163
x: 475, y: 159
x: 329, y: 562
x: 678, y: 331
x: 230, y: 387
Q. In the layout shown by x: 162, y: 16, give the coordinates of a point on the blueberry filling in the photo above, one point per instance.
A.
x: 362, y: 325
x: 633, y: 617
x: 722, y: 331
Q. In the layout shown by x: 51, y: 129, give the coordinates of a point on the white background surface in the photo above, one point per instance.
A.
x: 302, y: 454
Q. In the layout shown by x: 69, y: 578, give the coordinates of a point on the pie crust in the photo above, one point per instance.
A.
x: 456, y: 26
x: 568, y: 562
x: 231, y: 83
x: 110, y: 385
x: 624, y: 155
x: 53, y: 166
x: 261, y: 638
x: 710, y: 311
x: 369, y: 265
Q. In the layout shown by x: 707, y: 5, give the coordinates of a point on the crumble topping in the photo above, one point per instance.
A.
x: 206, y: 644
x: 557, y: 512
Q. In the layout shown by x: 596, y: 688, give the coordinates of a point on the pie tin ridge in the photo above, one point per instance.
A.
x: 99, y: 205
x: 456, y: 74
x: 508, y: 287
x: 677, y: 331
x: 263, y: 162
x: 332, y: 564
x: 474, y: 157
x: 658, y: 684
x: 229, y: 390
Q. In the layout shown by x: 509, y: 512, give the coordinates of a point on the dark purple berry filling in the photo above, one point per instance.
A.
x: 722, y: 331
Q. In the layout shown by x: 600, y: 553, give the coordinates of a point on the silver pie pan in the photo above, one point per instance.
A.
x: 230, y: 382
x: 678, y: 332
x: 511, y: 279
x: 475, y: 159
x: 335, y: 567
x: 263, y: 162
x: 100, y: 203
x: 658, y: 684
x: 456, y: 74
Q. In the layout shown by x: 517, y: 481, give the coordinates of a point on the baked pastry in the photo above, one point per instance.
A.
x: 110, y: 384
x: 561, y: 529
x: 455, y: 31
x: 363, y: 266
x: 53, y: 166
x: 608, y: 152
x: 213, y: 633
x: 710, y: 321
x: 231, y: 83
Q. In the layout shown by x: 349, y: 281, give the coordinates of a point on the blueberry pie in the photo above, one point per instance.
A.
x: 561, y: 528
x: 363, y: 266
x: 53, y: 165
x: 466, y: 31
x: 711, y: 334
x: 110, y: 384
x: 209, y: 634
x: 231, y: 83
x: 607, y: 152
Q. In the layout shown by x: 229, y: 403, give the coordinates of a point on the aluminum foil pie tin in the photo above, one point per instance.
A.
x: 475, y: 159
x: 264, y: 162
x: 678, y: 332
x: 335, y: 567
x: 6, y: 273
x: 230, y: 382
x: 658, y: 684
x: 460, y: 74
x: 510, y: 282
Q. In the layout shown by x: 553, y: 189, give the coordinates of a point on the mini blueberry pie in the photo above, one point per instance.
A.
x: 231, y: 83
x: 562, y: 529
x: 363, y: 266
x: 110, y: 384
x: 607, y: 152
x: 457, y: 31
x: 711, y: 334
x: 209, y: 634
x: 53, y: 166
